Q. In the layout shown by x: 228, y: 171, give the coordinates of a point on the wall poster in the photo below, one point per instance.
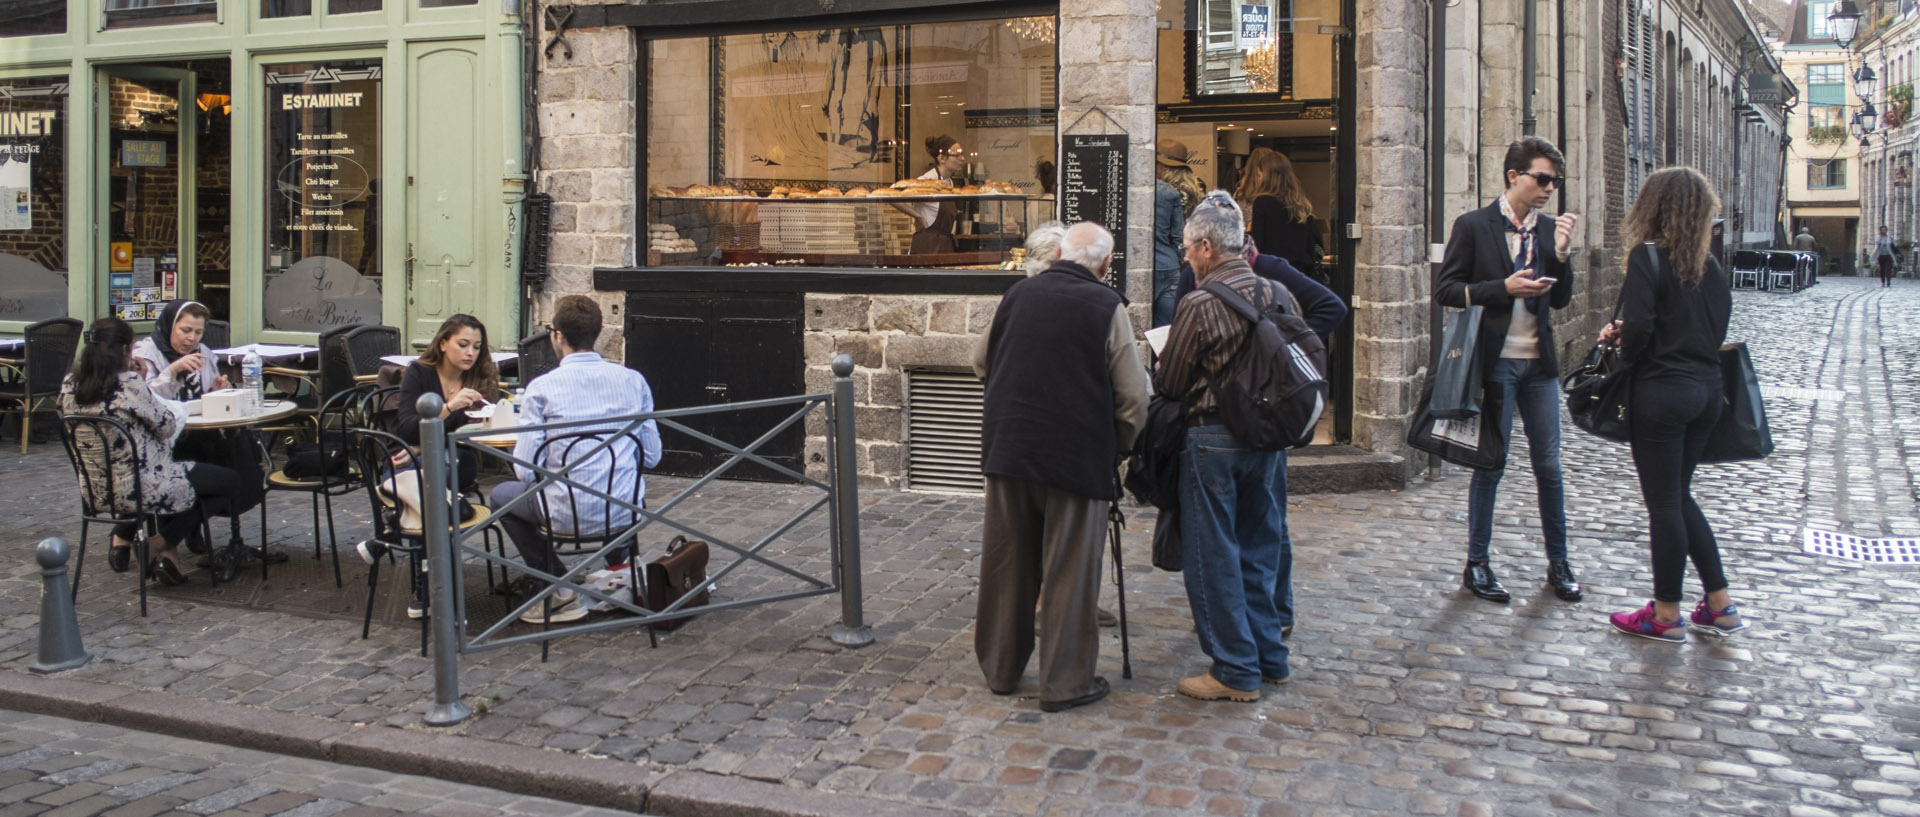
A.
x: 323, y: 181
x: 33, y: 198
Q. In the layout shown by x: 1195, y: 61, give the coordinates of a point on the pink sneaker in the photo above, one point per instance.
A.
x: 1726, y: 621
x: 1641, y: 623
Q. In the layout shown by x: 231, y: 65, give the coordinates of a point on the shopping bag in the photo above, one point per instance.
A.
x: 1470, y: 441
x: 1457, y: 377
x: 1742, y: 432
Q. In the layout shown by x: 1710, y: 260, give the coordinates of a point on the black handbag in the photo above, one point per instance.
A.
x: 682, y: 571
x: 1600, y: 392
x: 1742, y: 432
x: 1458, y: 376
x: 1474, y: 442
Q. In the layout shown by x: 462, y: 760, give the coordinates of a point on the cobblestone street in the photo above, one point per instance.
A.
x: 1409, y: 696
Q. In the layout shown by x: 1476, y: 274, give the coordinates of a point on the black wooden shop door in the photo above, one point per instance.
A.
x: 702, y: 350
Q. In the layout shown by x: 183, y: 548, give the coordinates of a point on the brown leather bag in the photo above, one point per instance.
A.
x: 683, y: 570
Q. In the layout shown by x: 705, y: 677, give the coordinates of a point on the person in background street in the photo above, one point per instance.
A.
x: 1674, y: 308
x: 1511, y: 258
x: 1043, y: 246
x: 1804, y: 241
x: 107, y: 381
x: 583, y: 387
x: 1175, y: 191
x: 1233, y: 500
x: 1065, y: 397
x: 1883, y: 257
x: 1278, y: 214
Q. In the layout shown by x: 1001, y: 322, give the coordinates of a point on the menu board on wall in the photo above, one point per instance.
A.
x: 1093, y: 187
x: 323, y: 150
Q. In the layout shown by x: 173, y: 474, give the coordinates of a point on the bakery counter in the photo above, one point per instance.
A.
x: 832, y: 228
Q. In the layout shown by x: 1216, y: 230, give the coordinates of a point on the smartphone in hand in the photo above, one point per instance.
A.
x: 1548, y: 281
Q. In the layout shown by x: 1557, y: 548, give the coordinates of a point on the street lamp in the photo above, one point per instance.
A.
x: 1867, y: 118
x: 1865, y: 82
x: 1845, y: 21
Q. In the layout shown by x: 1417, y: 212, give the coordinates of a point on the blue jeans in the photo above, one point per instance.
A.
x: 1233, y: 512
x: 1165, y: 283
x: 1535, y: 389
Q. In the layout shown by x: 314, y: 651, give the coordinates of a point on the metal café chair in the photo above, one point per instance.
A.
x: 1783, y: 272
x: 99, y: 448
x: 335, y: 478
x: 588, y: 535
x: 371, y: 450
x: 1747, y: 267
x: 365, y: 346
x: 219, y: 335
x: 536, y: 357
x: 48, y: 354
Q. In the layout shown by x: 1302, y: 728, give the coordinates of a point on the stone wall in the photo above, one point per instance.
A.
x: 885, y: 335
x: 586, y: 126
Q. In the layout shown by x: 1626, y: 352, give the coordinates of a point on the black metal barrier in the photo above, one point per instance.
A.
x: 448, y: 547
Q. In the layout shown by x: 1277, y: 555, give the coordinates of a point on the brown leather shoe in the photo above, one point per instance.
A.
x: 1106, y: 618
x: 1204, y: 687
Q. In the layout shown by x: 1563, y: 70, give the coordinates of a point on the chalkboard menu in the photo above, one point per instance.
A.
x: 1093, y: 187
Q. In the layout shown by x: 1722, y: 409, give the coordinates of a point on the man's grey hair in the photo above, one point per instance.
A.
x: 1043, y: 246
x: 1087, y: 244
x: 1217, y: 219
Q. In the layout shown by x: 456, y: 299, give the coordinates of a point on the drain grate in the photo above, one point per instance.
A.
x: 1860, y: 549
x: 1835, y: 395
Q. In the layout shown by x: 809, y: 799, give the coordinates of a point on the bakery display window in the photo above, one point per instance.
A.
x: 906, y: 146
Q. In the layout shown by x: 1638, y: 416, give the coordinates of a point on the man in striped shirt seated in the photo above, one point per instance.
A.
x: 584, y: 386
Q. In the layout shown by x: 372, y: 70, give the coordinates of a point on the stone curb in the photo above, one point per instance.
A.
x: 536, y: 772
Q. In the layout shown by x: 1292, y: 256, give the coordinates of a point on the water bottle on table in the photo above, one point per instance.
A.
x: 251, y: 381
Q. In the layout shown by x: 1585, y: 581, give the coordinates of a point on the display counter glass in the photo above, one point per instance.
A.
x: 909, y: 146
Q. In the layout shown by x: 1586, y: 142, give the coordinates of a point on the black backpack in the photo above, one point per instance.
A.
x: 1274, y: 388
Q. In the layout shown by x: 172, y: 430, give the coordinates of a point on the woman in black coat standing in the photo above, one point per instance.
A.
x: 1674, y: 308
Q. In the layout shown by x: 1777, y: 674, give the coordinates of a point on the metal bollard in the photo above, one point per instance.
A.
x: 59, y: 642
x: 436, y: 523
x: 853, y: 630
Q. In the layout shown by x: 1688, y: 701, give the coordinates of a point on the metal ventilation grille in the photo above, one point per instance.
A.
x: 943, y: 431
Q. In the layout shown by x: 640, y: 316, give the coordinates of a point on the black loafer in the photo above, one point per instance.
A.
x: 166, y: 571
x: 1479, y: 578
x: 1100, y: 690
x: 1560, y: 578
x: 120, y: 558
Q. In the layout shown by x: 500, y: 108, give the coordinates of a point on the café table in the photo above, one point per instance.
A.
x: 244, y: 429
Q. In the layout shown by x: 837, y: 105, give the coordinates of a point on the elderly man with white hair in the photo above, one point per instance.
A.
x: 1065, y: 396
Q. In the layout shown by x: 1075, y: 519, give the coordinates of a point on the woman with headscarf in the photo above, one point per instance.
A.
x: 176, y: 364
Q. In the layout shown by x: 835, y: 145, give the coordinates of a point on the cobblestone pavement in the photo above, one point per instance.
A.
x: 1409, y: 696
x: 61, y: 768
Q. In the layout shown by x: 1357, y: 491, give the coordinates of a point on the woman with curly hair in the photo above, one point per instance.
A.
x: 1674, y: 308
x: 1279, y: 216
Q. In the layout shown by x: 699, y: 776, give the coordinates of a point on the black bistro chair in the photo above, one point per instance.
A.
x: 219, y: 335
x: 536, y: 357
x: 365, y: 346
x: 100, y: 448
x: 325, y: 470
x: 1783, y: 272
x: 1748, y: 267
x: 587, y: 535
x: 393, y: 534
x: 47, y: 357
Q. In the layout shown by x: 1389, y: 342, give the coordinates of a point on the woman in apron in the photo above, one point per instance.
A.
x: 933, y: 222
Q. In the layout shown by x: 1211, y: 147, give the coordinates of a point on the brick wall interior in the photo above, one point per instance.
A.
x: 45, y: 243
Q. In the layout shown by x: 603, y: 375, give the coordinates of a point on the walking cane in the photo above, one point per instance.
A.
x: 1119, y: 520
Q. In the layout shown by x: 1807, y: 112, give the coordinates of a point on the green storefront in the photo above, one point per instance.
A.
x: 293, y: 164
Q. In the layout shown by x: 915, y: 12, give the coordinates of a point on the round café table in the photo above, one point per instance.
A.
x: 238, y: 550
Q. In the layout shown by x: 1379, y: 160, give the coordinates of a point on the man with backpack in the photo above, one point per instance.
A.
x: 1242, y: 412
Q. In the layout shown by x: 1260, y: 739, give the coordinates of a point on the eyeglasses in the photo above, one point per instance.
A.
x: 1545, y: 179
x: 1189, y: 245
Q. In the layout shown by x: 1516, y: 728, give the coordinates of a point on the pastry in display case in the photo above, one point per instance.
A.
x: 795, y: 223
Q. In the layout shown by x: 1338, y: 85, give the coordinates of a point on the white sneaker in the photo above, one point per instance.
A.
x: 370, y: 550
x: 570, y: 609
x: 416, y: 609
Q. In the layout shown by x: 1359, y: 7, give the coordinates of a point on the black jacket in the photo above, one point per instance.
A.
x: 1477, y: 262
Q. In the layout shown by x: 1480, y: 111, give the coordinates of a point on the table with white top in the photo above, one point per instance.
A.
x: 248, y: 424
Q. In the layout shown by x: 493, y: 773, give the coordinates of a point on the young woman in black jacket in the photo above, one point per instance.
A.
x: 1674, y: 308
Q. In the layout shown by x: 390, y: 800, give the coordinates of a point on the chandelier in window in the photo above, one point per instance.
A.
x: 1035, y: 29
x: 1262, y: 66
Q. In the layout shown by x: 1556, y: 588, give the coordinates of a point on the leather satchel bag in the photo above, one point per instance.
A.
x: 1742, y: 432
x: 681, y: 572
x: 1600, y: 392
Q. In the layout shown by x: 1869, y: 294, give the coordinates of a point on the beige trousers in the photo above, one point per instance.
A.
x: 1040, y: 544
